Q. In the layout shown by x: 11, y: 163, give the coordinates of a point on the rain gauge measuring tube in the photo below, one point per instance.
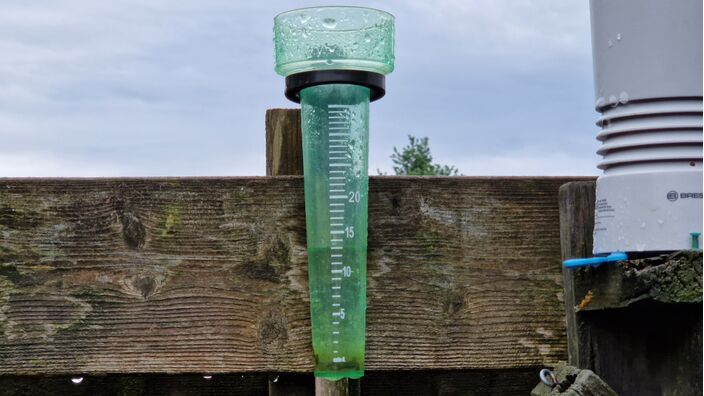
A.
x: 334, y: 60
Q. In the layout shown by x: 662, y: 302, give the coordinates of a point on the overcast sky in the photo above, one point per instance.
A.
x: 162, y: 87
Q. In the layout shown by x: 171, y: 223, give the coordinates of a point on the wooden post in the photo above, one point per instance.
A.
x: 284, y: 156
x: 576, y: 224
x: 284, y: 151
x: 636, y: 324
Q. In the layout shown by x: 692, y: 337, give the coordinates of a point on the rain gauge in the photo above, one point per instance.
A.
x: 334, y: 60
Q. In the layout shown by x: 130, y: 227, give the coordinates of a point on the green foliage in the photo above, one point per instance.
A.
x: 415, y: 160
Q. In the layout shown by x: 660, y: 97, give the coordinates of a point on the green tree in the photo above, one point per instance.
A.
x: 415, y: 160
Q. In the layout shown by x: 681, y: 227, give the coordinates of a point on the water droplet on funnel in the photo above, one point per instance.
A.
x: 367, y: 38
x: 329, y: 23
x: 328, y: 62
x: 623, y: 98
x: 618, y: 37
x: 304, y: 18
x: 612, y: 100
x: 610, y: 43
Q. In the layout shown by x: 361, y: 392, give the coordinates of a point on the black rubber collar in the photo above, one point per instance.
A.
x: 374, y: 81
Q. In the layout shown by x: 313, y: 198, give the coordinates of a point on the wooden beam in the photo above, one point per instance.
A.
x: 208, y: 275
x: 503, y: 382
x: 668, y: 278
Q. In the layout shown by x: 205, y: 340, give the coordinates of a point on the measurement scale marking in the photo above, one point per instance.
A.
x: 339, y: 131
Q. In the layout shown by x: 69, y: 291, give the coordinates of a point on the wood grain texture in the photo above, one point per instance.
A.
x: 671, y: 278
x: 284, y: 155
x: 209, y: 275
x: 576, y: 225
x: 324, y: 387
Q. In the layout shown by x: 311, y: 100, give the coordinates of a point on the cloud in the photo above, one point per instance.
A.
x: 527, y: 163
x: 180, y: 88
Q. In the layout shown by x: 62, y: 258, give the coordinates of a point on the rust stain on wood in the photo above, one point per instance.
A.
x: 585, y: 301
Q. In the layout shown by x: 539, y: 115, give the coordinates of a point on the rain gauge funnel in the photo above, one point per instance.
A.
x: 648, y: 82
x: 334, y: 60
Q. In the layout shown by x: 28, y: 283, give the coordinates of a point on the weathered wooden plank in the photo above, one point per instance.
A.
x: 648, y: 347
x: 670, y: 278
x: 504, y: 382
x: 244, y: 384
x: 284, y: 155
x: 208, y: 275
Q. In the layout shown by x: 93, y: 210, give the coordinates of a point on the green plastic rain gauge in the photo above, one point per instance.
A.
x: 334, y: 60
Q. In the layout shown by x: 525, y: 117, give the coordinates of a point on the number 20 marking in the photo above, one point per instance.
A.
x: 353, y: 197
